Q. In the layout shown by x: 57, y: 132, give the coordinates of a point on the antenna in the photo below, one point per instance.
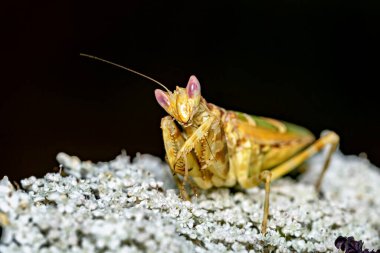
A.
x: 125, y: 68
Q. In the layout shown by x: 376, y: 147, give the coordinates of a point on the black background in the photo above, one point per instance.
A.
x: 311, y: 63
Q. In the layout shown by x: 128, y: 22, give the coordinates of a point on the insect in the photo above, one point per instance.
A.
x: 209, y: 146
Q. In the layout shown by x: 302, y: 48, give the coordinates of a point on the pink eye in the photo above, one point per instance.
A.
x: 193, y: 87
x: 162, y: 98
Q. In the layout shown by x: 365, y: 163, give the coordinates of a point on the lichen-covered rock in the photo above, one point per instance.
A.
x: 124, y: 206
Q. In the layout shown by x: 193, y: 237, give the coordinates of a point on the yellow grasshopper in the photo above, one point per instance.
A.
x: 214, y: 147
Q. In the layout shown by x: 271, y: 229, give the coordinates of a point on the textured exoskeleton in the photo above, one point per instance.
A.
x: 214, y: 147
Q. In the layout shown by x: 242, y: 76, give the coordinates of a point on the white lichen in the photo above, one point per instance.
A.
x: 124, y: 206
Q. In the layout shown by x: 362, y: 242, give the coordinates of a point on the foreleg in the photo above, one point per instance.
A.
x: 186, y: 165
x: 189, y: 144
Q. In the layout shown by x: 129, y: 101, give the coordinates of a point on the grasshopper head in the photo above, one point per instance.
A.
x: 183, y: 103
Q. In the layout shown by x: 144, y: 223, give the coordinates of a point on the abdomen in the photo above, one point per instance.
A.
x: 276, y: 140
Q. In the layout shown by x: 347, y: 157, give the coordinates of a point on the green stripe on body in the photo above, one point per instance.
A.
x: 261, y: 122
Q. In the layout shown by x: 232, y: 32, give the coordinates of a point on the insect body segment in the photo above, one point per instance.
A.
x: 214, y: 147
x: 183, y: 103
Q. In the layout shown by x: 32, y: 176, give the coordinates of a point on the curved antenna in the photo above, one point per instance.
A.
x: 125, y: 68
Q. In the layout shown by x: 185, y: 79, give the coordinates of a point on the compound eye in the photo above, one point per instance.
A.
x: 162, y: 98
x: 193, y: 87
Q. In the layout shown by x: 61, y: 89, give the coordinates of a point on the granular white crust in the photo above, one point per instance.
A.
x: 124, y: 206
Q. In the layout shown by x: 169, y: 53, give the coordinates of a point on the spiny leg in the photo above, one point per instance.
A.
x: 189, y: 144
x: 330, y: 138
x: 265, y: 176
x: 173, y: 141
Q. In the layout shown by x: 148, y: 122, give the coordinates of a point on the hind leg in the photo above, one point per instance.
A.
x: 330, y: 138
